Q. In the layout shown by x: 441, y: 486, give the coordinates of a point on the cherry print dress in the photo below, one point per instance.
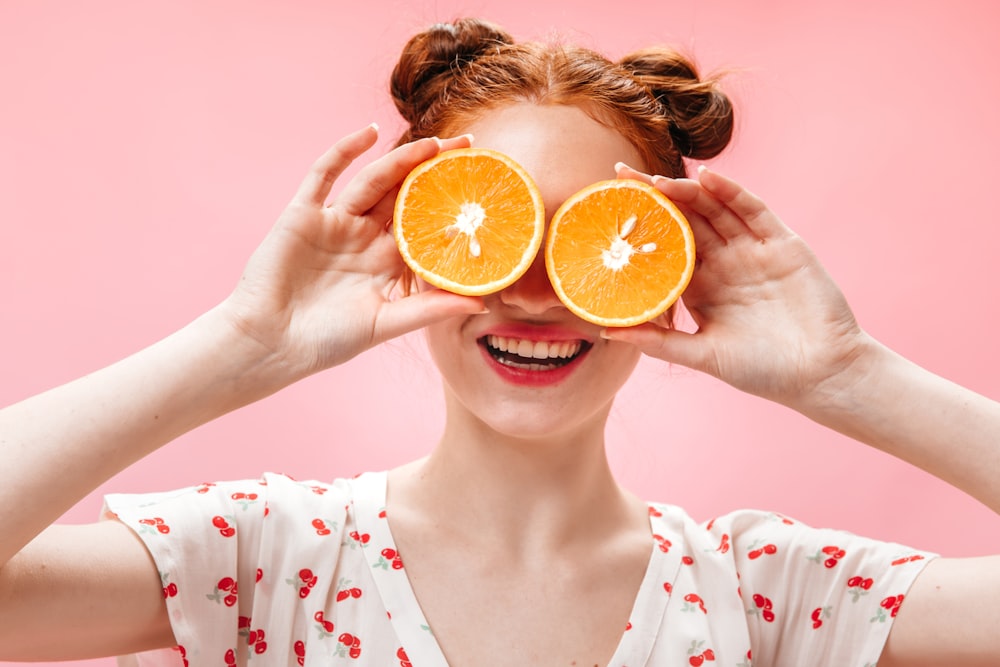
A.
x: 281, y: 572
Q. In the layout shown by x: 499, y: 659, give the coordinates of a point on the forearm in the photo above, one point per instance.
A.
x: 60, y: 445
x: 900, y: 408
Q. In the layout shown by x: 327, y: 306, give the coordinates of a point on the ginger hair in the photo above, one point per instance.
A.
x: 452, y: 73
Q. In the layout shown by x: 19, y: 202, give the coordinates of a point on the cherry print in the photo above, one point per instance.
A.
x: 663, y: 542
x: 692, y: 600
x: 156, y: 523
x: 834, y: 554
x: 724, y: 544
x: 817, y: 616
x: 363, y: 538
x: 404, y: 660
x: 256, y: 641
x: 300, y: 652
x: 170, y: 590
x: 381, y: 515
x: 697, y: 656
x: 183, y: 652
x: 306, y: 582
x: 230, y: 658
x: 227, y: 586
x: 687, y: 560
x: 668, y: 587
x: 260, y: 574
x: 325, y: 626
x: 765, y: 606
x: 389, y: 557
x: 907, y: 559
x: 352, y: 643
x: 320, y: 527
x: 628, y: 626
x: 244, y: 624
x: 224, y: 528
x: 709, y: 525
x: 654, y: 512
x: 204, y: 488
x: 892, y: 604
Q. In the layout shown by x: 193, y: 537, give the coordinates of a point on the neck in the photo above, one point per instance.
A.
x: 519, y: 493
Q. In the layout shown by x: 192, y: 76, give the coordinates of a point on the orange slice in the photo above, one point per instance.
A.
x: 619, y: 253
x: 469, y: 220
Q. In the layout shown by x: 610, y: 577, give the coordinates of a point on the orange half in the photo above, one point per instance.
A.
x: 619, y: 253
x: 469, y: 221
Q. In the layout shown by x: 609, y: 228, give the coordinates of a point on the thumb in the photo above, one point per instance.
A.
x: 670, y: 345
x: 422, y: 308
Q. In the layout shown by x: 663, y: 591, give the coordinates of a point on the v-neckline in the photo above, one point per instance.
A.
x: 413, y: 630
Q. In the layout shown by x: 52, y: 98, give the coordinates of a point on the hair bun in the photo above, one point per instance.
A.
x: 431, y: 57
x: 700, y: 114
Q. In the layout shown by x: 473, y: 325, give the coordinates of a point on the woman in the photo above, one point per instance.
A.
x: 519, y: 546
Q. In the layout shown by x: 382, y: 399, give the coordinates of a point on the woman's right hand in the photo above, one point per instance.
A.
x: 319, y: 289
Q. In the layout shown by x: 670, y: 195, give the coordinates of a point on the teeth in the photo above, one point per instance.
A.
x: 531, y: 349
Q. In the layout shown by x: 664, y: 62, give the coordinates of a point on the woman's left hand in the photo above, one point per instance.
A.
x: 770, y: 319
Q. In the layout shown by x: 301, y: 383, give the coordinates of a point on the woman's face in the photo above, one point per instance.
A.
x: 573, y: 374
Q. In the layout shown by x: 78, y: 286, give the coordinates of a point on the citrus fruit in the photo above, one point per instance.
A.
x: 619, y: 253
x: 469, y: 220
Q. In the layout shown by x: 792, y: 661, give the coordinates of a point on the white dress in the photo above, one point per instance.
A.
x: 281, y: 572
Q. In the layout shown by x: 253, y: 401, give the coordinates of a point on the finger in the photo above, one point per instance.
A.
x: 622, y: 170
x: 751, y: 209
x: 421, y: 309
x: 670, y: 345
x: 382, y: 210
x: 695, y: 196
x: 680, y: 191
x: 315, y: 188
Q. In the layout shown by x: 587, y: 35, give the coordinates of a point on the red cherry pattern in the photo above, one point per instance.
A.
x: 389, y: 558
x: 223, y: 526
x: 230, y: 658
x: 663, y: 543
x: 325, y: 627
x: 300, y: 652
x: 156, y: 523
x: 257, y: 641
x: 319, y: 525
x: 183, y: 653
x: 351, y: 643
x: 765, y: 606
x: 693, y: 601
x: 907, y: 559
x: 697, y: 656
x: 768, y: 549
x: 226, y: 592
x: 305, y: 582
x: 817, y: 616
x: 404, y: 660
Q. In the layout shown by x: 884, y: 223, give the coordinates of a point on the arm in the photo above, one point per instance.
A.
x: 315, y: 293
x: 771, y: 322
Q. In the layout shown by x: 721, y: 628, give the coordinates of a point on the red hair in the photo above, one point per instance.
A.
x: 452, y: 73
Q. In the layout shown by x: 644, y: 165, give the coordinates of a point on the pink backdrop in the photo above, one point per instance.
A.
x: 145, y: 148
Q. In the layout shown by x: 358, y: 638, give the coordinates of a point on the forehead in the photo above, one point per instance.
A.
x: 562, y: 147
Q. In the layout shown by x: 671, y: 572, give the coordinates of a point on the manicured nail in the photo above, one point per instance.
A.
x: 604, y: 334
x: 374, y: 126
x: 621, y: 165
x: 657, y: 178
x: 702, y: 169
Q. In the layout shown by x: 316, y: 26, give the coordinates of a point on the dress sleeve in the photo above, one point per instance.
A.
x: 206, y: 542
x: 816, y: 596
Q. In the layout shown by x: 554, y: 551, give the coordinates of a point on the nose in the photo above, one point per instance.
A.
x: 532, y: 293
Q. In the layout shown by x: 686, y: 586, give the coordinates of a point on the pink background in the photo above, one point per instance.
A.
x: 145, y: 149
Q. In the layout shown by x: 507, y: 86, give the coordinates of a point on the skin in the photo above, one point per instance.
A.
x: 757, y: 284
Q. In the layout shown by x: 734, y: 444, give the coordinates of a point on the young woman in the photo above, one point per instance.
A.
x: 511, y: 543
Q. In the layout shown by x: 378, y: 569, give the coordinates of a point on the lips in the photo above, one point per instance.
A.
x: 533, y: 355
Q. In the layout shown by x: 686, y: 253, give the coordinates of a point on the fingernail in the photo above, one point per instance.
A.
x: 484, y: 311
x: 469, y: 136
x: 604, y: 334
x: 702, y: 169
x: 657, y: 178
x: 374, y: 126
x: 621, y: 165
